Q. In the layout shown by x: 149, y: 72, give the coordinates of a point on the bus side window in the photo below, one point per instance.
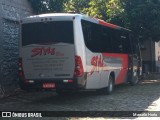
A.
x: 106, y: 41
x: 121, y: 42
x: 126, y: 43
x: 86, y: 27
x: 133, y: 43
x: 92, y: 33
x: 117, y: 42
x: 96, y: 37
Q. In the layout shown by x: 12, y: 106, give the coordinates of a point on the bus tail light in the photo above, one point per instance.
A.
x: 20, y: 68
x: 20, y: 74
x: 78, y: 72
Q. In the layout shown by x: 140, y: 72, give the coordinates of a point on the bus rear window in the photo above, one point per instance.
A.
x: 47, y: 33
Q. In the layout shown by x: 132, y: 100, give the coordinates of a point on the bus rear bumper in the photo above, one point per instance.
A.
x: 76, y: 83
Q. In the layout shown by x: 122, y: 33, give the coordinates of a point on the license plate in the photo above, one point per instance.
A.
x: 49, y: 85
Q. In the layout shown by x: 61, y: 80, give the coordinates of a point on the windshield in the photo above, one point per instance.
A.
x: 47, y: 32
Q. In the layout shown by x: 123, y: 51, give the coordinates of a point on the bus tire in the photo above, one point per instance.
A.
x: 110, y: 86
x: 109, y: 89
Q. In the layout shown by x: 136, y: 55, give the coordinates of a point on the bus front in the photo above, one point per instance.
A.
x: 47, y: 52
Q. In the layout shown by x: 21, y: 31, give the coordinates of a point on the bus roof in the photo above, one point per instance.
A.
x: 66, y: 16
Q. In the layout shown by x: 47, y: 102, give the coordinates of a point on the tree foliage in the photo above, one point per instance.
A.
x: 78, y: 6
x: 141, y: 16
x: 47, y: 6
x: 102, y: 9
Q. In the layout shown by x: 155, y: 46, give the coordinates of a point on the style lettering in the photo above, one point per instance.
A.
x: 42, y: 51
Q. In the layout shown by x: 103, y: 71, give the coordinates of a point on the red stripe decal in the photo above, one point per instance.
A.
x: 107, y: 24
x: 123, y: 72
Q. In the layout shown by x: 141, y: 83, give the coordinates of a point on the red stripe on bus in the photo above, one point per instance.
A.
x: 123, y: 72
x: 107, y: 24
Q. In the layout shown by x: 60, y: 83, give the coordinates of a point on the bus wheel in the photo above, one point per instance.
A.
x: 109, y: 89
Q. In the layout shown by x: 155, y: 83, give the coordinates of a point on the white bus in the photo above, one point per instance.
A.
x: 72, y: 52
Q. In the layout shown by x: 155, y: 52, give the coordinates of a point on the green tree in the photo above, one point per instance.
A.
x: 102, y: 9
x: 114, y: 9
x: 78, y: 6
x: 97, y: 8
x: 143, y: 17
x: 56, y: 5
x: 38, y: 6
x: 47, y: 6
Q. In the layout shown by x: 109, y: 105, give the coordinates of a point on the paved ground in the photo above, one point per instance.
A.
x: 143, y: 97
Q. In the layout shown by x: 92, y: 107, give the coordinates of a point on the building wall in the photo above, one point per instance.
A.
x: 151, y: 56
x: 11, y: 12
x: 157, y: 56
x: 148, y: 56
